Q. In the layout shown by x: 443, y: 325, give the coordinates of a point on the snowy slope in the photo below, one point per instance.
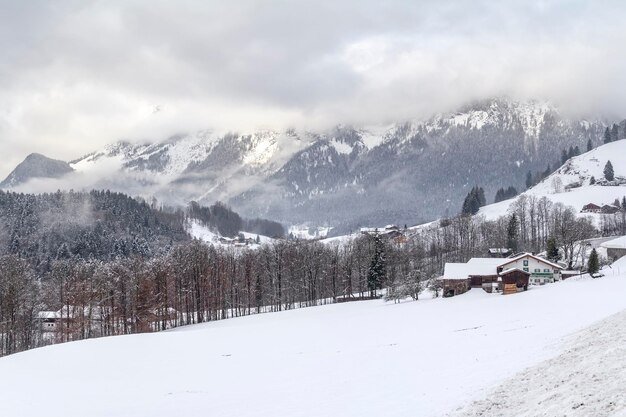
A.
x: 578, y: 170
x: 201, y: 232
x: 587, y: 379
x: 372, y: 358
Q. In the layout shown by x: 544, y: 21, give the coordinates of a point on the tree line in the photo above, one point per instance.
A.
x: 191, y: 282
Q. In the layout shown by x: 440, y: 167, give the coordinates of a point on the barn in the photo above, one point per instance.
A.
x: 454, y: 280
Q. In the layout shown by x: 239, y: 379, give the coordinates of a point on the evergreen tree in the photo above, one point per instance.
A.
x: 614, y: 133
x: 529, y: 180
x: 589, y: 145
x: 592, y: 180
x: 474, y: 200
x: 593, y: 265
x: 552, y: 250
x: 607, y: 135
x: 608, y: 171
x: 512, y: 233
x: 624, y: 203
x: 376, y: 272
x: 564, y: 157
x: 576, y: 150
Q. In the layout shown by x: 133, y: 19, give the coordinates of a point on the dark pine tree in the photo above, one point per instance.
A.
x: 593, y: 265
x: 376, y: 271
x: 607, y: 135
x: 589, y: 145
x: 529, y: 180
x: 512, y: 233
x: 608, y: 171
x: 614, y: 133
x: 552, y: 250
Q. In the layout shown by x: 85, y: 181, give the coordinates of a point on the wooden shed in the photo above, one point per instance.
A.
x: 514, y: 280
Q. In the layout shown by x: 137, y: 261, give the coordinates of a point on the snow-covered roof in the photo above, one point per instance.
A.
x: 47, y: 315
x: 483, y: 266
x: 508, y: 271
x: 619, y: 243
x: 454, y: 270
x: 530, y: 255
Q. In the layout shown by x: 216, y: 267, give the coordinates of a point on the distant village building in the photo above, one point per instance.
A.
x: 48, y: 320
x: 591, y: 208
x: 497, y: 273
x: 499, y: 252
x: 616, y: 248
x: 610, y: 209
x: 390, y: 231
x: 604, y: 209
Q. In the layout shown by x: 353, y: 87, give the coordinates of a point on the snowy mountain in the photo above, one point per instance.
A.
x: 572, y: 183
x: 36, y: 166
x: 346, y: 176
x: 431, y: 357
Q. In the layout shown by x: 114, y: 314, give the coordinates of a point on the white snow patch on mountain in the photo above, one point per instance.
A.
x: 571, y: 186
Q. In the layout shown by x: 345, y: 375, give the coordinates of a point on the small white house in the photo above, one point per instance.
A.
x: 48, y: 320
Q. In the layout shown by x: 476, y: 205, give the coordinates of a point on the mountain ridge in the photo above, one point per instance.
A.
x: 404, y: 172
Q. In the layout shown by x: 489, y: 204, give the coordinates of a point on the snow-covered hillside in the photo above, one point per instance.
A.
x: 571, y: 186
x: 372, y: 358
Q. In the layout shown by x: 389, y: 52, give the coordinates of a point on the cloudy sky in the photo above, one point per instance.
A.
x: 75, y: 75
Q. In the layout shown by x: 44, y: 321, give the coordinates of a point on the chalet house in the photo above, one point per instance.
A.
x: 610, y: 209
x: 499, y: 274
x: 48, y: 320
x: 615, y: 248
x: 591, y: 208
x: 541, y: 270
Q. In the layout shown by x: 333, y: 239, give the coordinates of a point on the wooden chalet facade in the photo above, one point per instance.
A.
x: 513, y: 280
x: 497, y: 274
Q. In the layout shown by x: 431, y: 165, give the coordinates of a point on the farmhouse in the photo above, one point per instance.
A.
x: 499, y: 274
x: 591, y: 208
x: 615, y: 248
x: 48, y: 320
x: 541, y: 270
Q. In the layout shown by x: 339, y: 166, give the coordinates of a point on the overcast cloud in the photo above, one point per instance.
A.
x: 75, y: 75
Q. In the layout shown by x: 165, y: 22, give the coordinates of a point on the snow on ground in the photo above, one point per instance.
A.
x: 587, y: 379
x: 371, y: 358
x: 199, y: 231
x: 304, y: 231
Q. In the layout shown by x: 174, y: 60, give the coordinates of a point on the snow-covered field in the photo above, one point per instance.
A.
x: 424, y: 358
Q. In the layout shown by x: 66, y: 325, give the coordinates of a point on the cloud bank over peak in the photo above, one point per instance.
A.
x: 75, y: 75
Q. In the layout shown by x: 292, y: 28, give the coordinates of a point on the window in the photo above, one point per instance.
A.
x: 546, y: 270
x: 526, y: 262
x: 537, y: 270
x: 525, y: 269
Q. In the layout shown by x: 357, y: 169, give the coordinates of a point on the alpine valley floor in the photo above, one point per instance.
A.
x: 465, y: 355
